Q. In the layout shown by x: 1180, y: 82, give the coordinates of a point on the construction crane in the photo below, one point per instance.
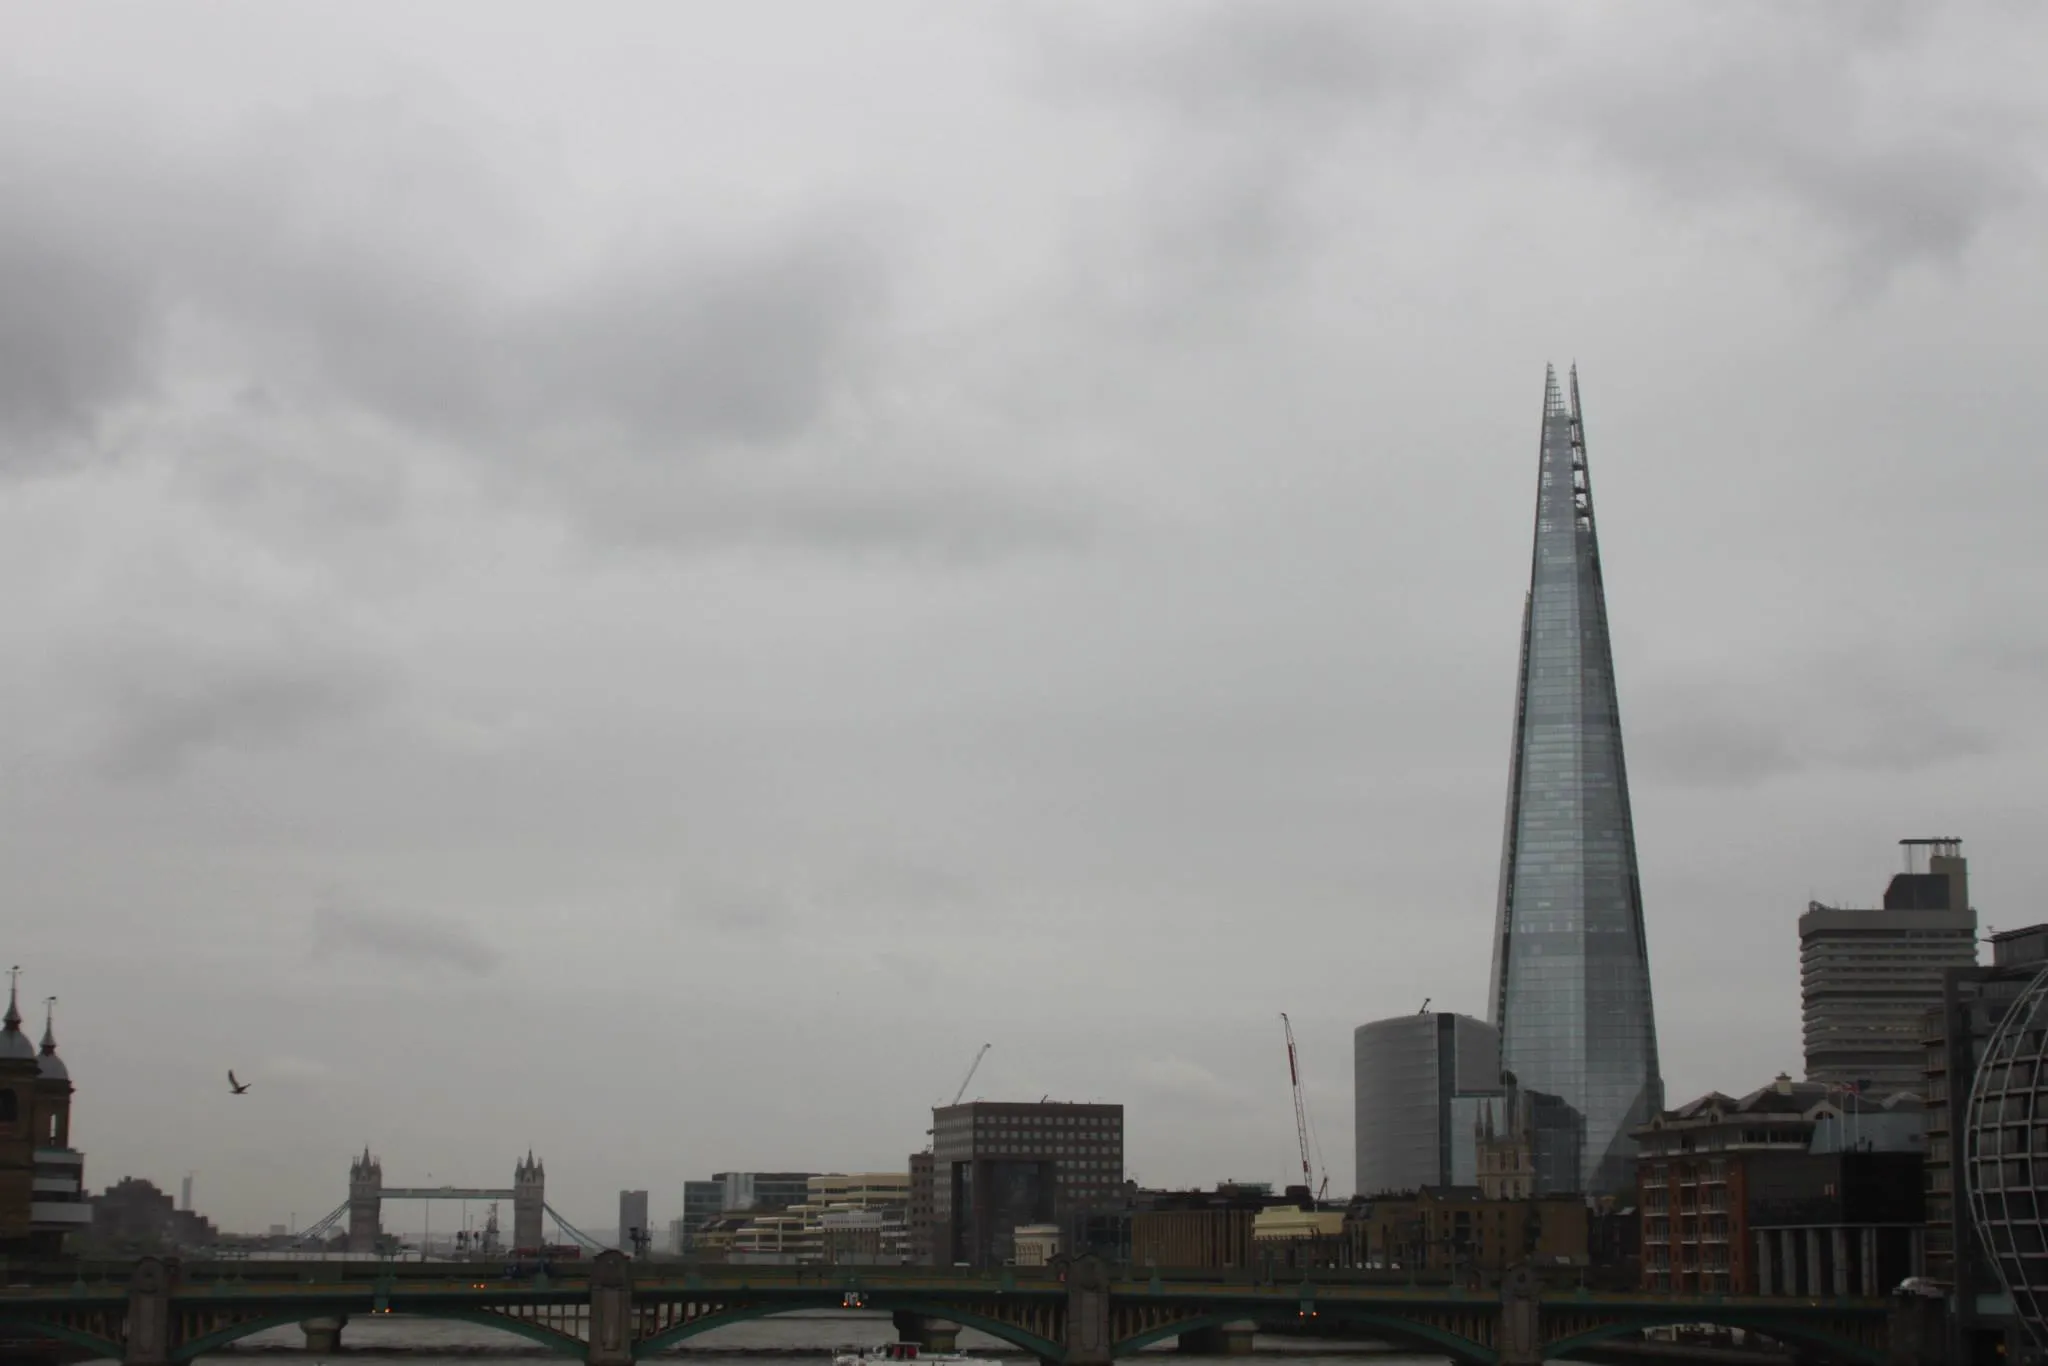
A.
x: 1308, y: 1179
x: 972, y: 1068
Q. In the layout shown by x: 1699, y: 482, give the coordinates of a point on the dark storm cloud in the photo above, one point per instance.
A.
x: 414, y: 938
x: 168, y: 706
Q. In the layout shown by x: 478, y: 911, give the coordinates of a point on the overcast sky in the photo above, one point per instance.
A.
x: 639, y: 583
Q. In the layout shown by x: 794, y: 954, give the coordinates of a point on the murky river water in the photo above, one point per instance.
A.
x: 796, y: 1337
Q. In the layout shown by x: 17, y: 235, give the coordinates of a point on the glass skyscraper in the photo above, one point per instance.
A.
x: 1418, y: 1082
x: 1571, y: 974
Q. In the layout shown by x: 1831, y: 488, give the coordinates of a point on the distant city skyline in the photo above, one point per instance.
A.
x: 717, y: 560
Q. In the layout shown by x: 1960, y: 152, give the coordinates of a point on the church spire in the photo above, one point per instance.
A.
x: 49, y: 1026
x: 12, y: 1020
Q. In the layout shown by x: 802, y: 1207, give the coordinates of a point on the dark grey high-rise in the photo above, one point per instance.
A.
x: 1571, y: 975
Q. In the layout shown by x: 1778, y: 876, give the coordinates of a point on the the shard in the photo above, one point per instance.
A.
x: 1571, y: 973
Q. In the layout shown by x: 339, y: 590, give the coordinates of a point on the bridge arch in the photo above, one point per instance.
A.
x: 1043, y: 1348
x: 91, y: 1342
x: 1837, y: 1347
x: 1457, y: 1347
x: 559, y: 1343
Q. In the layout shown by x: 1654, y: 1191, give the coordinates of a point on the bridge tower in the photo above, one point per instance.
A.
x: 529, y: 1186
x: 365, y: 1203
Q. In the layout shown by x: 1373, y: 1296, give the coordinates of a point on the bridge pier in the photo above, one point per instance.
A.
x: 1221, y: 1340
x: 1518, y: 1341
x: 1088, y: 1325
x: 1917, y: 1332
x: 323, y: 1335
x: 930, y: 1334
x: 611, y: 1311
x: 149, y: 1314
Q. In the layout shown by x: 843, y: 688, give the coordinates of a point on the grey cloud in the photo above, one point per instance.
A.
x: 1255, y: 102
x: 1825, y: 108
x: 737, y: 908
x: 168, y: 706
x: 76, y: 332
x: 873, y: 892
x: 681, y: 389
x: 1740, y: 735
x: 654, y: 356
x: 1179, y: 1079
x: 1292, y: 57
x: 401, y: 937
x: 888, y: 507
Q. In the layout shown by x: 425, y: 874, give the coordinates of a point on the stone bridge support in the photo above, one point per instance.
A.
x: 1917, y: 1332
x: 1088, y: 1325
x: 323, y: 1335
x: 611, y: 1310
x: 1221, y: 1340
x: 930, y: 1334
x: 1518, y: 1339
x: 149, y: 1313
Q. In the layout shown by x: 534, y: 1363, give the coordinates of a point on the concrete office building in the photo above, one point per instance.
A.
x: 703, y: 1201
x: 920, y: 1215
x: 1417, y: 1081
x: 998, y: 1166
x: 1867, y: 978
x: 633, y: 1222
x: 1571, y: 972
x: 764, y: 1192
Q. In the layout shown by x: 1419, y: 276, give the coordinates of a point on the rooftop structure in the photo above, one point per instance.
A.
x: 1868, y: 977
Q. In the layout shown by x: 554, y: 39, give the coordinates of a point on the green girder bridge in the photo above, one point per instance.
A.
x: 612, y: 1312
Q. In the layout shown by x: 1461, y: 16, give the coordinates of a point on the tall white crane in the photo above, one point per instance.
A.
x: 1308, y: 1179
x: 972, y: 1068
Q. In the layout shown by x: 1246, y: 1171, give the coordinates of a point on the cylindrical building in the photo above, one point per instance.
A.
x: 1417, y: 1082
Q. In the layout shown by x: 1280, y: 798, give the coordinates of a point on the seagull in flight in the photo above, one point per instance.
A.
x: 236, y: 1087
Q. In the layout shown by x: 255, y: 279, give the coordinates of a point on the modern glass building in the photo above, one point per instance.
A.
x: 1417, y: 1084
x: 1571, y: 974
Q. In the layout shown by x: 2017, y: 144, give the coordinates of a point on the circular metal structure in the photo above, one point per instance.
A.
x: 2006, y: 1154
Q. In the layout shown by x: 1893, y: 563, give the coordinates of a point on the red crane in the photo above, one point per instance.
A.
x: 1308, y: 1179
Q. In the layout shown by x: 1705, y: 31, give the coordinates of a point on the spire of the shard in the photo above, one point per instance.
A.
x: 1571, y: 978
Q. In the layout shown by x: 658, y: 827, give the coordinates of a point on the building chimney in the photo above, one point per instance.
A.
x: 1783, y: 1084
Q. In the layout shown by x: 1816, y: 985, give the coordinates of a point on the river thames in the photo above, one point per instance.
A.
x: 792, y: 1337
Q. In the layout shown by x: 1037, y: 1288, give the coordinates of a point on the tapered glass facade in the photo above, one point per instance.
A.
x: 1571, y: 975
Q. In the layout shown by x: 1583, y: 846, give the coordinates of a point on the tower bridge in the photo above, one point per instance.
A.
x: 364, y: 1208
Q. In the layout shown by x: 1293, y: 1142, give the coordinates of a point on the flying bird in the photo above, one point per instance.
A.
x: 236, y: 1087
